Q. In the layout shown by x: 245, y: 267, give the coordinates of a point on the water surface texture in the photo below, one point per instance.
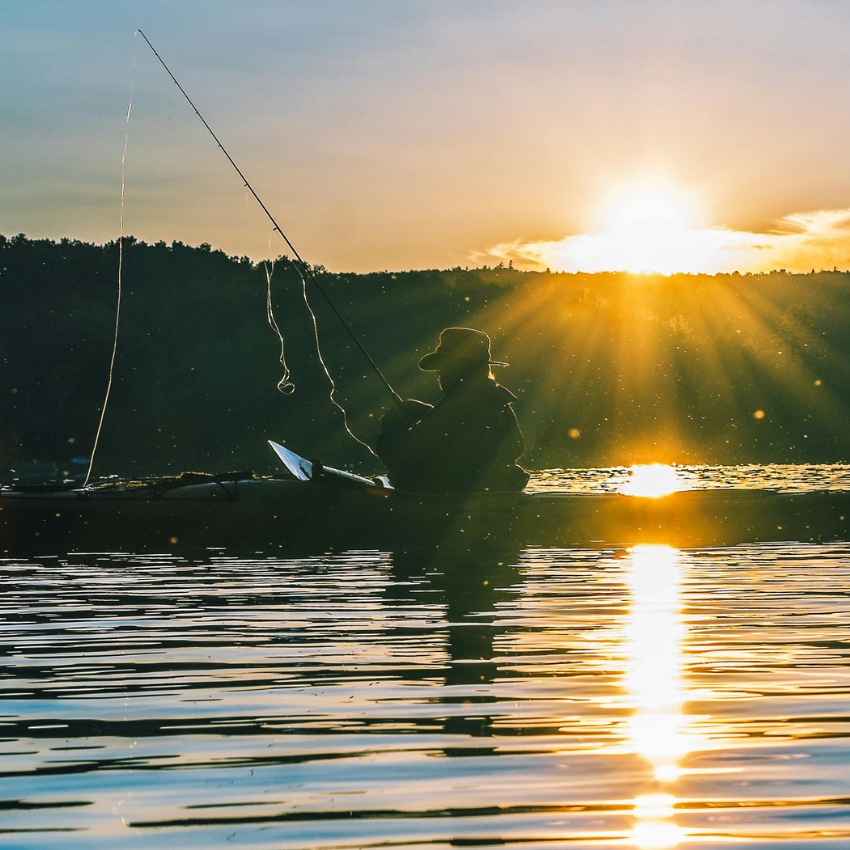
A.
x: 780, y: 477
x: 646, y: 697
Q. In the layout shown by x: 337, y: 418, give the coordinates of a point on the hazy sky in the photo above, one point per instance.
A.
x: 407, y: 134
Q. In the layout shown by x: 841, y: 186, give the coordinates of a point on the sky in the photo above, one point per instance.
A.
x: 694, y: 135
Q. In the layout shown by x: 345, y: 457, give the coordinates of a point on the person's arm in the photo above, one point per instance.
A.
x: 514, y: 437
x: 405, y: 415
x: 396, y: 425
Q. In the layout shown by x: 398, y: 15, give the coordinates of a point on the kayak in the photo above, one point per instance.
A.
x: 327, y: 512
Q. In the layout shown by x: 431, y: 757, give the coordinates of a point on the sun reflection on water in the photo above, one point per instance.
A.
x: 653, y: 679
x: 652, y: 480
x: 654, y: 828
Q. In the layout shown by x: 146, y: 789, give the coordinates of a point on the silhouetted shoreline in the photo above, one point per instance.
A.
x: 610, y: 368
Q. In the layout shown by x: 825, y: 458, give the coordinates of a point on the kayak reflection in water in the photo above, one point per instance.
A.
x: 468, y: 442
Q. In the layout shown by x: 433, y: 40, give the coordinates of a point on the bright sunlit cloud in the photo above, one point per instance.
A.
x: 651, y: 236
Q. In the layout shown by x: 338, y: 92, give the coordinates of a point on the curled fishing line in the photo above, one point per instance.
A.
x: 284, y: 385
x: 120, y: 278
x: 301, y: 266
x: 332, y: 394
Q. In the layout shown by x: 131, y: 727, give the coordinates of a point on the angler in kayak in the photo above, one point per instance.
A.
x: 470, y: 441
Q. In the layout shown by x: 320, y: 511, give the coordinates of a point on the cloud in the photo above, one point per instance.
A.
x: 800, y: 242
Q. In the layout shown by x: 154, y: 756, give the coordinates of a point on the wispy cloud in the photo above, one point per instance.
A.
x: 799, y: 242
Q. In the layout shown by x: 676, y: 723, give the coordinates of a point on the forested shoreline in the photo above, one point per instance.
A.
x: 609, y: 369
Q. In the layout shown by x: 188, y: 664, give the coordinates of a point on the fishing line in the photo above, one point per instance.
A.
x: 120, y: 278
x: 332, y: 395
x: 303, y: 268
x: 284, y: 385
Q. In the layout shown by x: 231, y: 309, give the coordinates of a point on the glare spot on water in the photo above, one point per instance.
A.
x: 656, y: 835
x: 667, y: 772
x: 652, y: 480
x: 654, y: 805
x: 784, y: 478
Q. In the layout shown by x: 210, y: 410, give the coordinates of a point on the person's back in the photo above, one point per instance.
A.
x: 471, y: 440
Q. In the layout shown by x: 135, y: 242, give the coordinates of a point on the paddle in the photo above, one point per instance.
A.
x: 306, y: 470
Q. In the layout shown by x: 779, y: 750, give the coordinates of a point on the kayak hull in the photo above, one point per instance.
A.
x: 274, y: 515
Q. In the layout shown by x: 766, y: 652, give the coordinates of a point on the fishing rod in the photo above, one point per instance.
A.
x: 303, y: 267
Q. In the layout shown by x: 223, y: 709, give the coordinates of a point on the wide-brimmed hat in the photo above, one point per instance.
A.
x: 459, y: 347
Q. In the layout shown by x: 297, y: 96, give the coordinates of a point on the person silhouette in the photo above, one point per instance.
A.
x: 471, y: 440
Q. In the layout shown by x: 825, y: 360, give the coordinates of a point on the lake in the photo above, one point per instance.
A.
x: 644, y: 697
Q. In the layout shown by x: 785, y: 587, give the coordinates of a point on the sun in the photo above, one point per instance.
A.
x: 648, y: 216
x: 649, y: 234
x: 645, y: 228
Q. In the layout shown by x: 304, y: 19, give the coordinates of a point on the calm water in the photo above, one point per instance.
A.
x: 541, y: 698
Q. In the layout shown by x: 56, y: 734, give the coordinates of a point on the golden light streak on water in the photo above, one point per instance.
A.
x: 654, y: 828
x: 653, y: 679
x: 652, y: 480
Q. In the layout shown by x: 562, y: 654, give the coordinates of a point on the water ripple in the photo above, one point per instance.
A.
x: 642, y: 698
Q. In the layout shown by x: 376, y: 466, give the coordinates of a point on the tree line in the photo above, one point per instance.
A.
x: 610, y: 369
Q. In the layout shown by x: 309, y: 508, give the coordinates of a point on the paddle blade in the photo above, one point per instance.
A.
x: 300, y: 467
